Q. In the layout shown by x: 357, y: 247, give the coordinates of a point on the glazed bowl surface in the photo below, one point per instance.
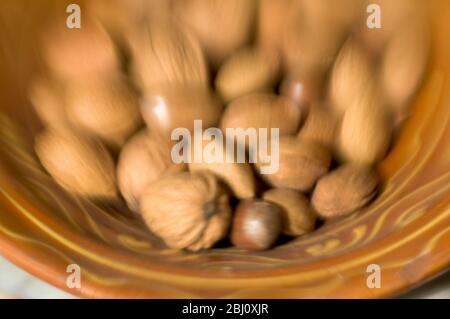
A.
x: 406, y: 231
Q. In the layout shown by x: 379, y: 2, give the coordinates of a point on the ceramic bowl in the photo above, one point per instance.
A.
x: 406, y: 231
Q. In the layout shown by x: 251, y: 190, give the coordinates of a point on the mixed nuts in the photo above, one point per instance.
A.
x: 297, y: 66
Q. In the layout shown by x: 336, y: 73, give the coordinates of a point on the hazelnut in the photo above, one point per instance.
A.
x: 47, y: 98
x: 256, y: 225
x: 222, y: 26
x: 248, y: 71
x: 301, y: 164
x: 142, y: 161
x: 106, y: 108
x: 302, y: 89
x: 298, y: 216
x: 344, y: 191
x: 352, y: 74
x: 179, y: 107
x: 321, y: 126
x: 81, y: 165
x: 187, y: 210
x: 366, y: 129
x: 83, y: 53
x: 166, y: 55
x: 262, y: 111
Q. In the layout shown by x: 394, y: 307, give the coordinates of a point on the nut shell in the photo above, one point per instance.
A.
x: 222, y: 26
x: 238, y: 177
x: 256, y: 225
x: 47, y: 98
x: 352, y: 74
x: 187, y: 210
x: 80, y: 165
x: 301, y: 164
x: 142, y: 161
x: 179, y: 107
x: 366, y: 130
x: 321, y: 126
x: 88, y: 52
x: 248, y: 71
x: 344, y: 191
x: 165, y: 55
x: 298, y: 216
x: 107, y: 109
x: 262, y: 111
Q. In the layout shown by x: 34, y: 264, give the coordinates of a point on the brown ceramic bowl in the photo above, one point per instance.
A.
x: 406, y: 231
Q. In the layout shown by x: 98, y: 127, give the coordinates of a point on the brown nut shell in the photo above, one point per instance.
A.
x: 352, y: 74
x: 214, y: 159
x: 321, y: 126
x: 142, y: 161
x: 80, y: 165
x: 262, y: 111
x: 248, y: 71
x: 298, y: 216
x: 256, y: 225
x: 301, y: 164
x: 404, y: 64
x: 366, y: 130
x: 344, y: 191
x: 165, y: 54
x: 179, y: 107
x: 187, y: 210
x: 47, y: 98
x: 88, y: 52
x: 222, y: 26
x: 107, y: 109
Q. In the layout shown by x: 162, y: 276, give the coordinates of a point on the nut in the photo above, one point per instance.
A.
x: 352, y: 74
x: 320, y: 126
x: 166, y: 55
x: 142, y: 161
x: 80, y: 165
x: 222, y: 26
x: 262, y: 111
x: 179, y: 107
x: 105, y: 108
x: 256, y: 225
x: 248, y: 71
x: 344, y: 191
x: 366, y: 129
x: 303, y: 90
x: 404, y: 65
x: 238, y: 177
x: 301, y: 164
x: 273, y: 17
x: 187, y: 210
x: 298, y: 216
x: 82, y: 53
x: 47, y: 98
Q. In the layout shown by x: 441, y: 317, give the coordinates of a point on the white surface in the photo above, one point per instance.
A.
x: 17, y: 283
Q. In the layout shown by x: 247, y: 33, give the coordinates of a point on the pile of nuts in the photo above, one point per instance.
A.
x: 112, y: 92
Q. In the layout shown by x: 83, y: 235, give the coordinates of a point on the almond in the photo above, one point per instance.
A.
x: 344, y: 190
x: 248, y: 71
x: 298, y: 216
x: 301, y: 164
x: 81, y: 165
x: 366, y: 129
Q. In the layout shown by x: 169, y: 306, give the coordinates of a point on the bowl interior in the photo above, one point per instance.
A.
x: 405, y: 231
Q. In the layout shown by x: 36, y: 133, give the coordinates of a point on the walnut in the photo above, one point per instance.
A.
x: 187, y: 210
